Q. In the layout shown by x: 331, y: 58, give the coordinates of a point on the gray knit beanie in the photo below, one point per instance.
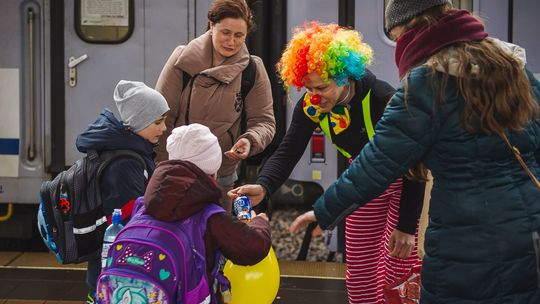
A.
x: 400, y: 11
x: 139, y: 105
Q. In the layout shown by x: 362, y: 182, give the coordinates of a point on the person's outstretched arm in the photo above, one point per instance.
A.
x: 243, y: 244
x: 280, y: 165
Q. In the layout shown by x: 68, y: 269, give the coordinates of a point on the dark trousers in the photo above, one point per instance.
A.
x: 92, y: 274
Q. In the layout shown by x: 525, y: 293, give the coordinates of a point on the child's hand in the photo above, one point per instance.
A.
x: 302, y: 221
x: 263, y: 215
x: 240, y: 150
x: 254, y: 192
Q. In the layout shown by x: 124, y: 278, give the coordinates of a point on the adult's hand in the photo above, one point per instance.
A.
x: 302, y: 221
x: 240, y: 150
x: 254, y: 192
x: 401, y: 244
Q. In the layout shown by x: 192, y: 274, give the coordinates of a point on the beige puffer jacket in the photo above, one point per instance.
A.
x: 210, y: 100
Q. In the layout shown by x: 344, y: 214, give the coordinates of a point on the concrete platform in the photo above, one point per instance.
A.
x: 39, y: 278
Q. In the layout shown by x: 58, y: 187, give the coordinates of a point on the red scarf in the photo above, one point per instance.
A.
x: 421, y: 42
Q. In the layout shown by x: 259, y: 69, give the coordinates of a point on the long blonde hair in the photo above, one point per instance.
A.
x: 497, y: 93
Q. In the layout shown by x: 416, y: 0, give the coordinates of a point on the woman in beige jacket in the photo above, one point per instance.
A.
x: 215, y: 61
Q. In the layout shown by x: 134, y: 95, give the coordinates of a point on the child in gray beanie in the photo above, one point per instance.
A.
x: 142, y: 111
x: 400, y: 11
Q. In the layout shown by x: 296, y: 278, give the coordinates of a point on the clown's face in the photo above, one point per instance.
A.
x: 329, y: 92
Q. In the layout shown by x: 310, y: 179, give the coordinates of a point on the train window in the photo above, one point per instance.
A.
x: 461, y: 4
x: 104, y: 21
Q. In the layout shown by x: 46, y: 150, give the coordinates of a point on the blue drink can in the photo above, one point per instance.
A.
x: 242, y: 208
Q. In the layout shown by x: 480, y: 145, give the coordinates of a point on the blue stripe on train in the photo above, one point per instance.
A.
x: 9, y: 146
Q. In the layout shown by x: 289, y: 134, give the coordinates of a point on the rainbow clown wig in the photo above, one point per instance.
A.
x: 328, y: 49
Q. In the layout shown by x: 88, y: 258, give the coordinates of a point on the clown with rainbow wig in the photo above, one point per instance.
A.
x: 344, y: 100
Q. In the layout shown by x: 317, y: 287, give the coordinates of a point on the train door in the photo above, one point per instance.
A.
x: 58, y: 67
x: 524, y: 15
x: 23, y: 98
x: 110, y: 40
x: 102, y: 46
x: 513, y: 21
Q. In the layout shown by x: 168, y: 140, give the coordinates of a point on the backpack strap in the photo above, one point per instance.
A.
x: 108, y: 156
x: 206, y: 213
x: 185, y: 79
x: 92, y: 154
x: 248, y: 80
x: 138, y: 205
x: 221, y: 283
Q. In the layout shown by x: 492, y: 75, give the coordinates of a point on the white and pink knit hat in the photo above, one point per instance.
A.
x: 195, y: 143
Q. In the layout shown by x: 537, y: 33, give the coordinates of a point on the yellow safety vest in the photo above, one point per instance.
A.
x: 325, y: 125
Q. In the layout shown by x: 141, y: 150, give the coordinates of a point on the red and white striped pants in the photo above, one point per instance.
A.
x: 367, y: 231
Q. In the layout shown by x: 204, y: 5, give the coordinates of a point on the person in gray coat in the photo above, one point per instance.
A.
x: 462, y: 95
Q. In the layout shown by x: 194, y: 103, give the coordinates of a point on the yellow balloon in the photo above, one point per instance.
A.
x: 257, y: 284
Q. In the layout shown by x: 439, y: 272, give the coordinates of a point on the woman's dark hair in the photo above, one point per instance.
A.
x: 221, y: 9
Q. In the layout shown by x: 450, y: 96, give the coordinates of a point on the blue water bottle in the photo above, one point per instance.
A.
x: 110, y: 234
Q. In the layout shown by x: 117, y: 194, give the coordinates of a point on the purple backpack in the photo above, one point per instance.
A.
x: 153, y: 261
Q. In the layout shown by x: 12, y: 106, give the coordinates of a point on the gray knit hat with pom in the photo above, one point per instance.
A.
x: 401, y: 11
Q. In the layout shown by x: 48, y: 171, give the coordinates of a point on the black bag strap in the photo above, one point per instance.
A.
x: 92, y: 154
x: 106, y: 157
x: 185, y: 79
x: 248, y: 80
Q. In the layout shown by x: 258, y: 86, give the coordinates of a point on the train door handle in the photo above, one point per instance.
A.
x: 72, y: 65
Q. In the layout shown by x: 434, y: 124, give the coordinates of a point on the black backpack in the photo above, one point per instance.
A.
x: 71, y: 219
x: 248, y: 80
